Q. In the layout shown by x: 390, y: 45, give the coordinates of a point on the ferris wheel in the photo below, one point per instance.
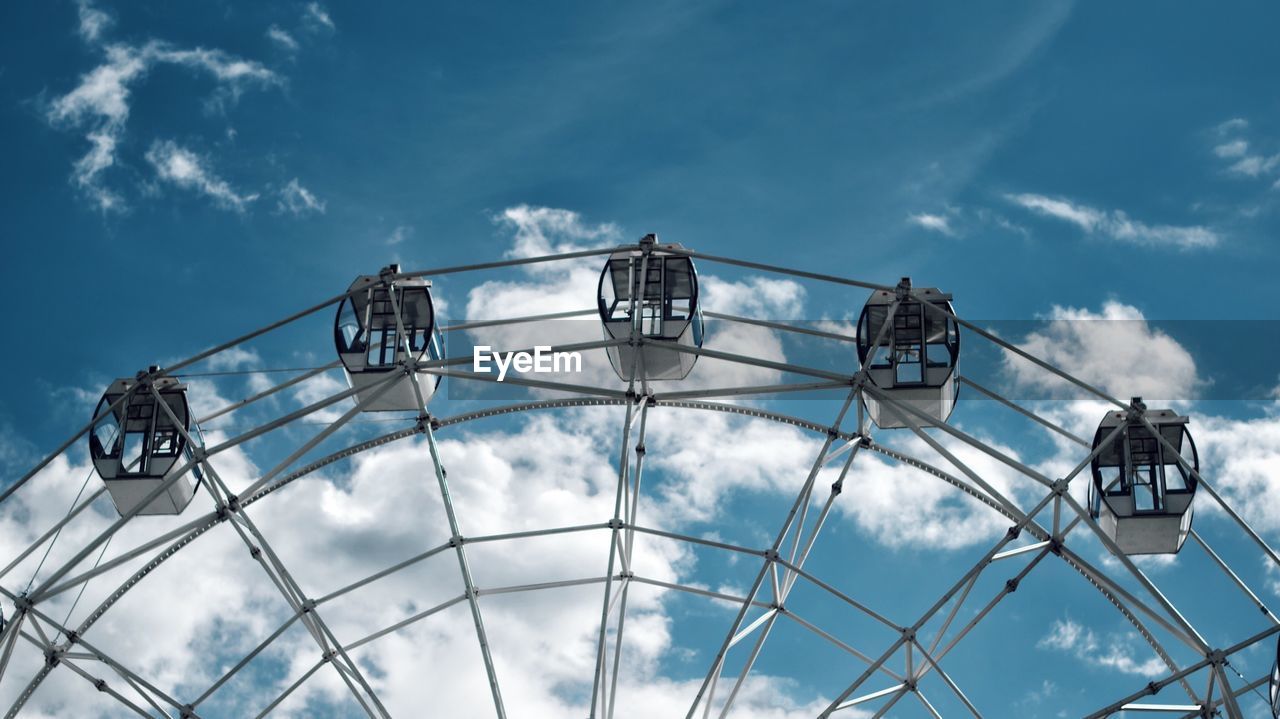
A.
x: 170, y: 476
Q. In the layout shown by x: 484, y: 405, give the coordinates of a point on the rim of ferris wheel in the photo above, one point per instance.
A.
x: 1143, y: 488
x: 134, y: 443
x: 384, y: 323
x: 1275, y: 683
x: 648, y: 293
x: 1135, y: 608
x: 909, y: 353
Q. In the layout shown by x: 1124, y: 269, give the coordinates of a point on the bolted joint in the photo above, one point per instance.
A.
x: 255, y: 552
x: 329, y: 656
x: 833, y: 433
x: 1153, y: 688
x: 23, y: 603
x: 632, y: 396
x: 72, y: 637
x: 233, y: 503
x: 457, y: 540
x: 837, y: 486
x: 772, y: 555
x: 640, y: 450
x: 1014, y: 532
x: 187, y: 712
x: 1059, y: 487
x: 386, y: 274
x: 647, y: 242
x: 616, y: 524
x: 1217, y: 657
x: 199, y: 454
x: 308, y: 606
x: 903, y: 290
x: 1055, y: 545
x: 864, y: 439
x: 53, y: 657
x: 626, y: 575
x: 99, y: 685
x: 1137, y: 408
x: 1011, y: 586
x: 909, y: 683
x: 908, y: 634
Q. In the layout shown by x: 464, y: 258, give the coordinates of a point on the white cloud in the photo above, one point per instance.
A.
x: 189, y: 171
x: 298, y: 200
x: 1114, y: 349
x: 1237, y: 150
x: 936, y: 223
x: 100, y: 102
x: 93, y: 21
x: 1234, y: 148
x: 316, y: 14
x: 1233, y: 125
x: 1116, y: 224
x: 1113, y: 654
x: 282, y: 38
x: 399, y: 234
x: 548, y: 230
x: 1255, y: 165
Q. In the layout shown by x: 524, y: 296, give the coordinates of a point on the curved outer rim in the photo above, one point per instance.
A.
x: 214, y: 519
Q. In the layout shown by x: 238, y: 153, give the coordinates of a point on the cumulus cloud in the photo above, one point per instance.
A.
x: 298, y: 200
x: 935, y: 223
x: 1111, y: 654
x: 1116, y: 224
x: 1114, y: 349
x: 549, y: 230
x: 187, y: 170
x: 100, y: 103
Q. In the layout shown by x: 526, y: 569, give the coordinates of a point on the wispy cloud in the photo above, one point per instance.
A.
x: 298, y: 200
x: 101, y: 102
x: 399, y: 234
x: 187, y: 170
x: 1116, y: 224
x: 1235, y: 124
x: 936, y: 223
x: 1255, y: 165
x: 282, y: 38
x: 1069, y: 636
x: 1234, y: 148
x: 1245, y: 160
x: 317, y: 15
x: 93, y: 21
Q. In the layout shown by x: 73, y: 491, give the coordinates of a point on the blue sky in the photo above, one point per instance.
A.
x: 174, y: 176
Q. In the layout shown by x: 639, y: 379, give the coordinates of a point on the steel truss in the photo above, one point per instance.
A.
x: 921, y: 645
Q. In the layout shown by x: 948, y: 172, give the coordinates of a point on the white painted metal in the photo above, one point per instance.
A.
x: 923, y: 645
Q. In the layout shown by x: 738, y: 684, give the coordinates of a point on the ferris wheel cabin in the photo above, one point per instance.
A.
x: 1275, y: 684
x: 651, y: 293
x: 912, y: 356
x: 135, y: 444
x: 376, y: 321
x: 1142, y: 493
